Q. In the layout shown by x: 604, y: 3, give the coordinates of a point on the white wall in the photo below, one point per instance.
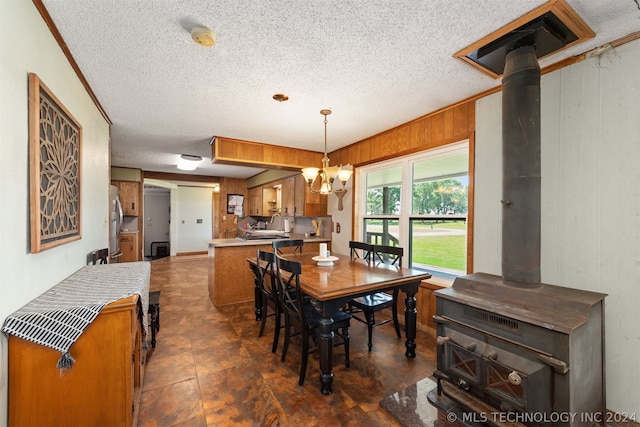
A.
x: 340, y: 241
x: 26, y: 45
x: 590, y: 198
x: 193, y: 203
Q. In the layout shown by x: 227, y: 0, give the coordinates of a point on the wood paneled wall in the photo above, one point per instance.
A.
x: 229, y: 186
x: 452, y: 124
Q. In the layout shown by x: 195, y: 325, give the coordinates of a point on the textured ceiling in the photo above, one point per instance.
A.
x: 375, y: 63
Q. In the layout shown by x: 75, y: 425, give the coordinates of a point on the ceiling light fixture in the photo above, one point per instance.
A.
x: 188, y: 162
x: 328, y: 173
x: 280, y: 97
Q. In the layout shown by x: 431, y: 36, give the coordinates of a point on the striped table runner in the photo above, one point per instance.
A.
x: 58, y: 317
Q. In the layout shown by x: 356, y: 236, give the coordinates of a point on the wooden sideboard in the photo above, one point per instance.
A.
x: 103, y: 386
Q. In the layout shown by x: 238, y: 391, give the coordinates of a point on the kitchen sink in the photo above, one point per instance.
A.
x: 263, y: 235
x: 263, y: 232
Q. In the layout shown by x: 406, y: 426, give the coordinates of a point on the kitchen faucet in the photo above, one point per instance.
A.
x: 273, y: 216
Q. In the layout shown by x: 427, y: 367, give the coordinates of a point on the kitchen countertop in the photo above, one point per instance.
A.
x: 221, y: 243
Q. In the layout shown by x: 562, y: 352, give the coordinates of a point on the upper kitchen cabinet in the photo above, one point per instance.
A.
x: 307, y: 203
x: 254, y: 204
x: 288, y: 196
x: 129, y: 197
x: 269, y: 200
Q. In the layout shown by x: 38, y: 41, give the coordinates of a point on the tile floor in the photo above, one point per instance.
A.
x: 209, y: 367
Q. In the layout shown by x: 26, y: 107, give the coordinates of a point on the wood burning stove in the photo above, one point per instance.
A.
x: 512, y: 350
x: 530, y: 355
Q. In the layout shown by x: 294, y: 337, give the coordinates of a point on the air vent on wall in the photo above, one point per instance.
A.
x: 550, y: 28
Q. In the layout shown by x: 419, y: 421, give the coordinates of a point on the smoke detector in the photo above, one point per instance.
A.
x: 203, y: 36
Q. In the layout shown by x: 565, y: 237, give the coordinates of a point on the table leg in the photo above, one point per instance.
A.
x: 410, y: 316
x: 326, y: 354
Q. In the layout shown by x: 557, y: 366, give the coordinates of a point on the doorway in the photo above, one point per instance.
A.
x: 157, y: 222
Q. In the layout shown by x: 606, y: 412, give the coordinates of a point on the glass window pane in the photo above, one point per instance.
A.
x: 440, y: 185
x: 439, y: 245
x: 441, y: 197
x: 384, y: 188
x: 382, y: 231
x: 430, y: 212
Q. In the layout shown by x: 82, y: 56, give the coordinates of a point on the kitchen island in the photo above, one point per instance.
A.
x: 230, y: 279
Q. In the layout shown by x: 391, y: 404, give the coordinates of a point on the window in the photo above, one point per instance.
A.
x: 420, y: 202
x: 384, y: 191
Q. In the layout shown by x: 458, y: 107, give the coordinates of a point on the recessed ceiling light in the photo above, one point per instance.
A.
x: 280, y: 97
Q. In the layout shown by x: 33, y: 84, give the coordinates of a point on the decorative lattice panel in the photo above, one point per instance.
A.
x: 55, y: 153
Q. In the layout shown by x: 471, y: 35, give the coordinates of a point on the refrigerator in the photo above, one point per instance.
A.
x: 115, y: 221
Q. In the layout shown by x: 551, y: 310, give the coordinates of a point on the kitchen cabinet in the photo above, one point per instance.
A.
x: 300, y: 189
x: 295, y: 199
x: 129, y: 247
x: 129, y: 197
x: 269, y: 200
x: 103, y: 386
x: 288, y: 196
x: 232, y: 285
x: 307, y: 203
x: 255, y: 201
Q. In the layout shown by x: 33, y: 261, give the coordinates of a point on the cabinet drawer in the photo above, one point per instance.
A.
x: 126, y: 238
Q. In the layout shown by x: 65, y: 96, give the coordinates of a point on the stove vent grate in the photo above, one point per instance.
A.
x: 493, y: 319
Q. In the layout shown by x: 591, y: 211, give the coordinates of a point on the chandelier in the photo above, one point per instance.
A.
x: 327, y: 174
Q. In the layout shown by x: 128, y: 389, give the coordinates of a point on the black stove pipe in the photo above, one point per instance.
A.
x: 521, y: 168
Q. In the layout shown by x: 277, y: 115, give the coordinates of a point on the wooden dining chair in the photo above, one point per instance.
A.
x: 370, y: 304
x: 302, y: 316
x: 266, y: 282
x: 278, y: 245
x: 361, y: 250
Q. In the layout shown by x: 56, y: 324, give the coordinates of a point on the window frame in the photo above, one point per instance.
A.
x: 406, y: 197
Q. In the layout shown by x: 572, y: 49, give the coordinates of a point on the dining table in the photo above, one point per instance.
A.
x: 333, y: 284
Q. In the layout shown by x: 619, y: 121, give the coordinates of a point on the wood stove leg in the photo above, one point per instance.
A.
x: 410, y: 316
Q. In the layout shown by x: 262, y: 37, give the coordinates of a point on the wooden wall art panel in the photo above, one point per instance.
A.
x: 55, y: 138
